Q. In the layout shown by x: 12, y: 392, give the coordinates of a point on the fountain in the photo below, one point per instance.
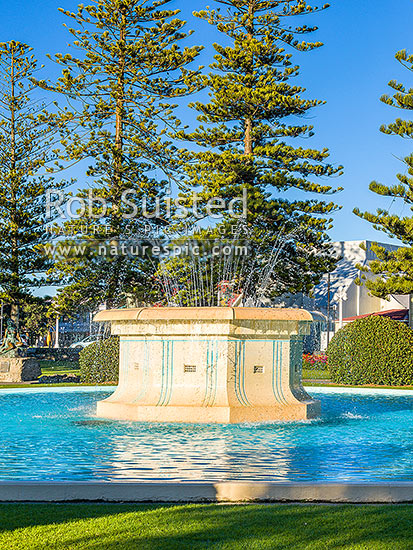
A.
x: 209, y: 365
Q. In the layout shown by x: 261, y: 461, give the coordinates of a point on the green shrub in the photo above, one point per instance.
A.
x: 373, y: 350
x: 99, y: 362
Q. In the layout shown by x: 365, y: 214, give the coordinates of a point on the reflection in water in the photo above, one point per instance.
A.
x: 185, y: 454
x: 54, y: 436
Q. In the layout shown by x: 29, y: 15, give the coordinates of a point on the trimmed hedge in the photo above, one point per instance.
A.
x: 373, y: 350
x: 99, y: 362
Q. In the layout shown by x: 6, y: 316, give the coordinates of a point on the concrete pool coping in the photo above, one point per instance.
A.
x: 379, y: 493
x: 310, y: 388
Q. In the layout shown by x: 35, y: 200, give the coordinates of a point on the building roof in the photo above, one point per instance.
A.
x: 350, y: 253
x: 395, y: 314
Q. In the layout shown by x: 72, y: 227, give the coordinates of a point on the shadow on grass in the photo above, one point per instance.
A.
x: 195, y: 527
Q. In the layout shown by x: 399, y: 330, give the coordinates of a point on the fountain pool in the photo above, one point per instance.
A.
x: 53, y: 434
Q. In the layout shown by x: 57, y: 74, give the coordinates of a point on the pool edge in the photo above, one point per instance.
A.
x: 384, y: 492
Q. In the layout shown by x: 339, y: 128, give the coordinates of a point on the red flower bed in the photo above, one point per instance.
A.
x: 315, y: 361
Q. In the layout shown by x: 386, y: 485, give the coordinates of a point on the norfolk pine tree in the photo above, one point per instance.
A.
x: 393, y: 270
x: 29, y: 137
x: 122, y: 86
x: 247, y: 130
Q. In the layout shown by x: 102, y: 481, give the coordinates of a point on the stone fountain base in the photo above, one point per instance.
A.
x: 208, y: 365
x: 199, y: 415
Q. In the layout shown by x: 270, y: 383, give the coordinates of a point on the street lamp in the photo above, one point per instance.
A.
x: 341, y: 297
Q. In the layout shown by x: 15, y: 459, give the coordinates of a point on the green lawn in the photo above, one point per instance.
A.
x: 315, y: 374
x: 311, y: 377
x: 49, y: 368
x: 322, y: 378
x: 207, y: 527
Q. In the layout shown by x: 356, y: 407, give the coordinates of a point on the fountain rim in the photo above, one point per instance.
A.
x: 203, y: 314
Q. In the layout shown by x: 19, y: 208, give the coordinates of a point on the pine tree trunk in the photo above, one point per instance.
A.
x: 118, y: 155
x: 14, y: 224
x: 113, y: 286
x: 248, y: 149
x: 248, y: 144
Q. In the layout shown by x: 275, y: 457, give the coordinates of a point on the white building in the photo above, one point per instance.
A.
x: 353, y: 299
x: 347, y: 300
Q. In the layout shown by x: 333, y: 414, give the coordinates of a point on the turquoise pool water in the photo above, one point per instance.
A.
x: 53, y: 435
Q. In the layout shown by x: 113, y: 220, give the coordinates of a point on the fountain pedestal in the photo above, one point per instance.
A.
x: 209, y: 365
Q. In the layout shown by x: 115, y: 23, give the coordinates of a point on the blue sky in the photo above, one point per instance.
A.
x: 350, y: 72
